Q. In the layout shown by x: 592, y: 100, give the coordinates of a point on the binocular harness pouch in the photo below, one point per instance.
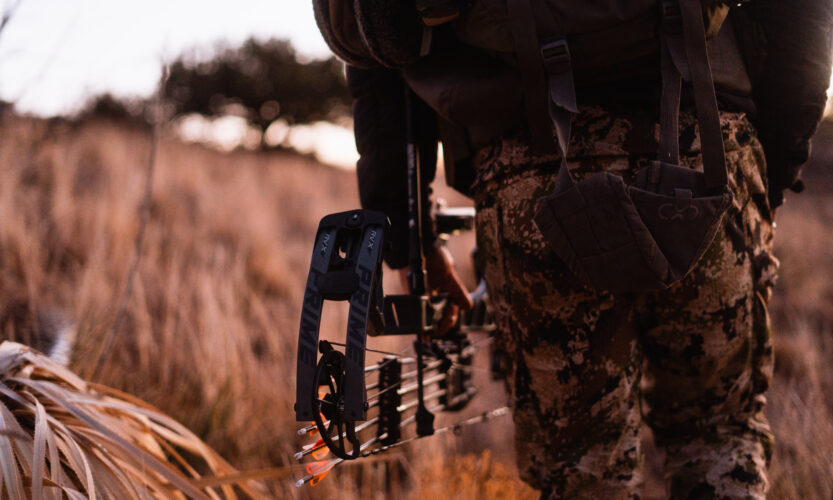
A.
x: 631, y: 238
x: 649, y: 235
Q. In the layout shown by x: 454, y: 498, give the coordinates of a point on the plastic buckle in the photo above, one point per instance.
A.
x: 556, y: 55
x: 670, y: 12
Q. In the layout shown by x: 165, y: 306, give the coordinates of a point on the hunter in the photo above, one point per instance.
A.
x: 625, y: 159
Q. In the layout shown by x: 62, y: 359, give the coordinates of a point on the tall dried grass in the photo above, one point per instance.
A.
x: 62, y: 437
x: 209, y: 336
x: 801, y: 397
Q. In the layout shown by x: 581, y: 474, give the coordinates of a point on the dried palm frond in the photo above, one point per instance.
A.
x: 60, y: 435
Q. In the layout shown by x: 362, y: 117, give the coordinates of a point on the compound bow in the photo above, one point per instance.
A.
x: 336, y: 391
x: 341, y: 403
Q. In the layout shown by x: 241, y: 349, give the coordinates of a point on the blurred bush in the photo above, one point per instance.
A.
x: 262, y: 81
x: 118, y: 109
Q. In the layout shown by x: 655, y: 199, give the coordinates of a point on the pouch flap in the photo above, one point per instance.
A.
x: 682, y: 226
x: 598, y: 233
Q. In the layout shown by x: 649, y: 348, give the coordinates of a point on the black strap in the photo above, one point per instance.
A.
x: 527, y: 49
x: 683, y: 29
x: 562, y: 96
x: 669, y: 136
x: 547, y: 74
x: 708, y: 117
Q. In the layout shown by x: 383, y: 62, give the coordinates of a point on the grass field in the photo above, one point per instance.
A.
x: 209, y: 330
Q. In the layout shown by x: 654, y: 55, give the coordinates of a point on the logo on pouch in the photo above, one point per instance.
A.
x: 670, y: 212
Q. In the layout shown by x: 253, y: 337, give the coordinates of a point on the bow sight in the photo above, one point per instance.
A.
x: 335, y: 391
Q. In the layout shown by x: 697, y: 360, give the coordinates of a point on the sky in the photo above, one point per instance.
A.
x: 54, y: 53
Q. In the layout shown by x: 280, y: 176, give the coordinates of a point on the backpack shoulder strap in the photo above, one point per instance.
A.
x: 546, y: 69
x: 528, y: 53
x: 705, y: 101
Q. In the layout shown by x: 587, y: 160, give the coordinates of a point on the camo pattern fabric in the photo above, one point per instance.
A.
x: 693, y: 361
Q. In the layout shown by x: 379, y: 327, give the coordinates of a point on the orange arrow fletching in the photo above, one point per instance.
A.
x: 318, y: 471
x: 322, y: 452
x: 316, y: 444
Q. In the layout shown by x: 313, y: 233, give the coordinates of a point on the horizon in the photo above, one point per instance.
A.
x: 55, y: 56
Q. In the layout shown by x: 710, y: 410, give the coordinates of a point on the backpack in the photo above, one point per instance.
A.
x: 522, y: 60
x: 785, y: 47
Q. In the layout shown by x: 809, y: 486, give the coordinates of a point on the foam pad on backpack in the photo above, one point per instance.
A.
x: 337, y: 22
x: 392, y: 30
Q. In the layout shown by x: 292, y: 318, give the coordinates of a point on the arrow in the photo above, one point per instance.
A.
x: 322, y: 469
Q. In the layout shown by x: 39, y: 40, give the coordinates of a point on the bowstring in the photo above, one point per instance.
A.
x: 481, y: 418
x: 455, y: 428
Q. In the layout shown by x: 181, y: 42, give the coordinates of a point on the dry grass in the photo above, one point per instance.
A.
x: 62, y: 437
x: 210, y: 327
x: 470, y: 477
x: 801, y: 397
x: 209, y: 336
x: 801, y: 411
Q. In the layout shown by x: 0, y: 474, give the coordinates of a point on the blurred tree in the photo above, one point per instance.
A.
x: 261, y: 81
x: 125, y: 110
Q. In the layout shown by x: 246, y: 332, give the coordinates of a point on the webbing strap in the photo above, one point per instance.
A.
x: 546, y: 70
x: 669, y: 136
x: 562, y: 98
x: 527, y: 48
x: 708, y: 117
x: 549, y: 88
x: 561, y: 102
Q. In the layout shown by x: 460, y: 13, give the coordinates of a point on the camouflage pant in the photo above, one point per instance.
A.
x: 693, y: 361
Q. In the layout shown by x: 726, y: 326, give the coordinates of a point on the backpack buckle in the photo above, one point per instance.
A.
x: 556, y: 55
